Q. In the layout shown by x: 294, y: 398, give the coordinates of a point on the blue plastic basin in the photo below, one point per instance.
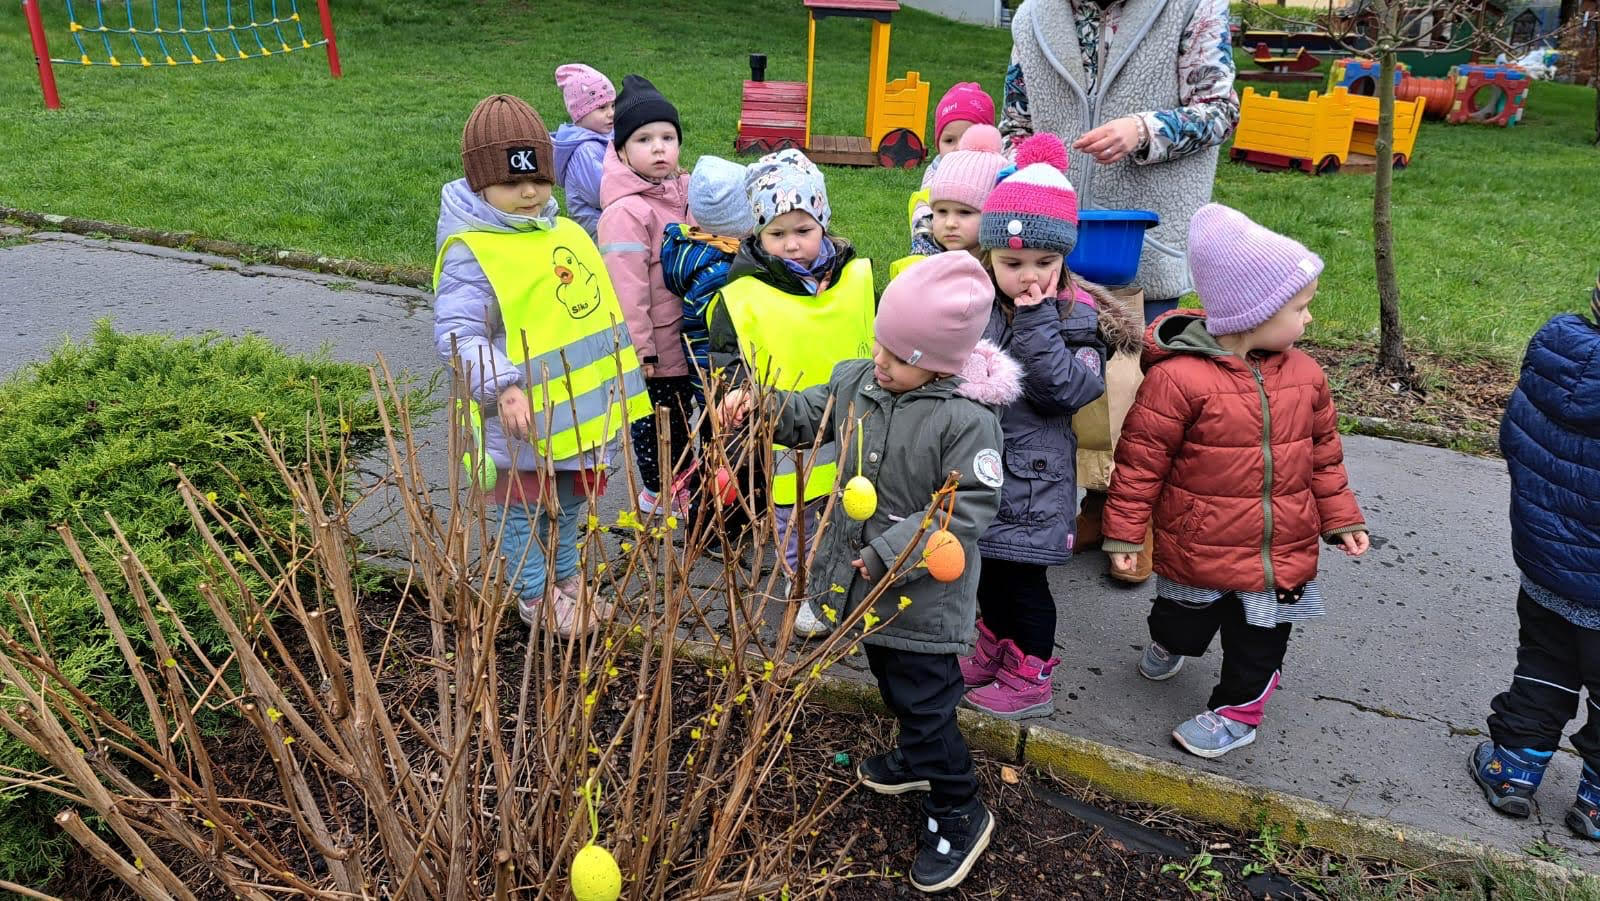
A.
x: 1109, y: 242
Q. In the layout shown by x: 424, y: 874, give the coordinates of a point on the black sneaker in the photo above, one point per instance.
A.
x: 888, y: 774
x: 950, y: 846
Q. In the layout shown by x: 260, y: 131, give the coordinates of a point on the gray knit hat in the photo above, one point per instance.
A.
x: 717, y: 200
x: 781, y: 182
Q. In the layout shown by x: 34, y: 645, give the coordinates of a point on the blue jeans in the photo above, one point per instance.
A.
x: 527, y: 529
x: 1154, y: 308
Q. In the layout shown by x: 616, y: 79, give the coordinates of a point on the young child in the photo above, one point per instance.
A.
x: 1232, y: 451
x: 1551, y: 442
x: 581, y: 143
x: 1029, y: 225
x: 954, y: 197
x: 961, y: 108
x: 513, y: 284
x: 798, y: 301
x: 643, y: 192
x: 925, y: 406
x: 695, y: 259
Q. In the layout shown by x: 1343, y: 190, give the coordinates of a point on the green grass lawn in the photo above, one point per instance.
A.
x: 1497, y: 228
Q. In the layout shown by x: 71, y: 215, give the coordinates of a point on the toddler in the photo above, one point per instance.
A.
x: 955, y: 196
x: 581, y: 143
x: 965, y: 105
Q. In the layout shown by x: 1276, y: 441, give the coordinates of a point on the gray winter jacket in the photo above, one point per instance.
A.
x: 911, y: 442
x: 1058, y: 345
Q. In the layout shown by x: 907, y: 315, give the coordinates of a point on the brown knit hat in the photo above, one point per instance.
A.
x: 505, y: 141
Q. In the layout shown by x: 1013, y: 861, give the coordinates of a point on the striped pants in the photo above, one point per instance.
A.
x: 1556, y: 660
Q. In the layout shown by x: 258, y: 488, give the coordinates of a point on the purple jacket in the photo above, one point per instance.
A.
x: 580, y: 157
x: 464, y: 307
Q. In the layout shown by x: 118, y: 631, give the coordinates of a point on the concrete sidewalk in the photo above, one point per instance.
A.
x: 1381, y: 700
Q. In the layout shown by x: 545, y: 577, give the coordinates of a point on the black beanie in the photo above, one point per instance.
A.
x: 639, y: 104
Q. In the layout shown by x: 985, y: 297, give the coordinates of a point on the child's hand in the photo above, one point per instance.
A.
x: 1033, y: 295
x: 861, y: 567
x: 1123, y: 563
x: 1355, y: 543
x: 515, y: 416
x: 649, y: 370
x: 735, y: 406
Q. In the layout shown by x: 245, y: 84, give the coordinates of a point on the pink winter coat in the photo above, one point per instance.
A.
x: 636, y: 212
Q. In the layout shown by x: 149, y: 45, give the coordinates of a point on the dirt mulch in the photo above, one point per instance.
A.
x: 1456, y: 394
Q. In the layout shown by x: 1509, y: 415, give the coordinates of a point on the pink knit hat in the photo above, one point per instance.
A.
x: 933, y: 314
x: 966, y: 101
x: 583, y: 89
x: 1034, y: 208
x: 1244, y: 273
x: 967, y: 175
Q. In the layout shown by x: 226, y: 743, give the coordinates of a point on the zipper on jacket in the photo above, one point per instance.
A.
x: 1266, y: 481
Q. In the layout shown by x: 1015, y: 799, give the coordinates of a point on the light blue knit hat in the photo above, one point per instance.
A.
x: 717, y: 200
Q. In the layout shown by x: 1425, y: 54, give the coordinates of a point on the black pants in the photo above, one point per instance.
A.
x: 677, y: 393
x: 1016, y: 603
x: 1555, y: 660
x: 1251, y: 655
x: 921, y: 690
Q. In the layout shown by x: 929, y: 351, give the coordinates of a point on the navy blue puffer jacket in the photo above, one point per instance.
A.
x: 1551, y: 441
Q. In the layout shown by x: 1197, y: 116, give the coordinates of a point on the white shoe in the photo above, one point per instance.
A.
x: 808, y: 625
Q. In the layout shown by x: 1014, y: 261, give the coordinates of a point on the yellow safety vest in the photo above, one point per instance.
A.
x: 564, y: 331
x: 904, y: 263
x: 918, y: 196
x: 792, y: 342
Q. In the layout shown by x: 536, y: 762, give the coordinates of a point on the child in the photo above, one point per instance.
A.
x: 1232, y: 451
x: 513, y: 284
x: 1029, y: 225
x: 954, y: 197
x: 961, y: 108
x: 1551, y: 442
x: 798, y: 301
x: 581, y: 143
x: 695, y: 259
x: 925, y: 406
x: 643, y: 193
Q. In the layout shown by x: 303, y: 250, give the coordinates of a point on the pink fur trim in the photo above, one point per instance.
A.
x: 990, y: 376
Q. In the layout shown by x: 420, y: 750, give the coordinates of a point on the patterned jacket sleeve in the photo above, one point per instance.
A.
x: 1208, y: 109
x: 1016, y: 123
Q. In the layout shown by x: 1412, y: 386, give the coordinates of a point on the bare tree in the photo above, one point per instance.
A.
x: 1381, y: 29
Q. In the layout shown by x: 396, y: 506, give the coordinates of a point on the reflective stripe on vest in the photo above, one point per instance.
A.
x: 563, y: 330
x: 792, y: 342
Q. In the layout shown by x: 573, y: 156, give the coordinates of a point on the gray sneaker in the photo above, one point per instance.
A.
x: 1212, y: 735
x: 1159, y: 664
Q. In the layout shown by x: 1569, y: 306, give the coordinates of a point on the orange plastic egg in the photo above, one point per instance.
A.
x: 944, y: 556
x: 727, y: 486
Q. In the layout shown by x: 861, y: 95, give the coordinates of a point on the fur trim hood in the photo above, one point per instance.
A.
x: 1121, y: 326
x: 990, y: 377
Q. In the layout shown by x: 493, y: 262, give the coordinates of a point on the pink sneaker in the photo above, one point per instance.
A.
x: 650, y: 502
x: 979, y: 667
x: 1021, y: 687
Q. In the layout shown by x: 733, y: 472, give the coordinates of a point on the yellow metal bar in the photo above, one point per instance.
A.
x: 877, y: 78
x: 811, y: 68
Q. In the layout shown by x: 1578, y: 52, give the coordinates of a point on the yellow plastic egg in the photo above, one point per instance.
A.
x: 860, y: 499
x: 595, y: 876
x: 944, y: 556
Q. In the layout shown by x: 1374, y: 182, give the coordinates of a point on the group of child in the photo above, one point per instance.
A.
x: 975, y: 359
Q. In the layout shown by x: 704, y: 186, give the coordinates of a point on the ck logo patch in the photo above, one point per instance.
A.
x: 522, y: 161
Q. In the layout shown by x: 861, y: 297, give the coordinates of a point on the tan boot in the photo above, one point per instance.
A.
x: 1142, y: 564
x: 1088, y: 533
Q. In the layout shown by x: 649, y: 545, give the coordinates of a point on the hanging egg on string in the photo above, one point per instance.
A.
x: 595, y: 875
x: 860, y: 499
x: 945, y: 558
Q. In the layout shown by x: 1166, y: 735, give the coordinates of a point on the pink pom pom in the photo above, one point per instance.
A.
x: 1042, y: 148
x: 980, y: 137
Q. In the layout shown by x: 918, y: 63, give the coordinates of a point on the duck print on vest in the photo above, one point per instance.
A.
x: 579, y: 291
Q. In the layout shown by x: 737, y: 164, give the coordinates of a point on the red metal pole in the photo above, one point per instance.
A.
x: 41, y: 54
x: 327, y: 34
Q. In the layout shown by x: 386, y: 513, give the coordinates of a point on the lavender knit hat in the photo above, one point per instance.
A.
x: 1035, y: 208
x: 1244, y: 273
x: 583, y: 89
x: 933, y: 314
x: 967, y: 175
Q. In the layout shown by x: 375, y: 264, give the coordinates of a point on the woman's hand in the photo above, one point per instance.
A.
x: 1113, y: 140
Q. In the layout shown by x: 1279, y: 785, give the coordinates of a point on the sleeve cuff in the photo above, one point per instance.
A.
x: 1113, y: 546
x: 875, y: 568
x: 1332, y: 535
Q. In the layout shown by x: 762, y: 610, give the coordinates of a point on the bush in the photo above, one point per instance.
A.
x: 98, y: 429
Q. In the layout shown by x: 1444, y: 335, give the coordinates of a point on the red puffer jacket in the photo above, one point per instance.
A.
x: 1239, y: 463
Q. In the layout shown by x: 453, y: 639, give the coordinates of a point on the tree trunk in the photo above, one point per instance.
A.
x: 1391, y: 337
